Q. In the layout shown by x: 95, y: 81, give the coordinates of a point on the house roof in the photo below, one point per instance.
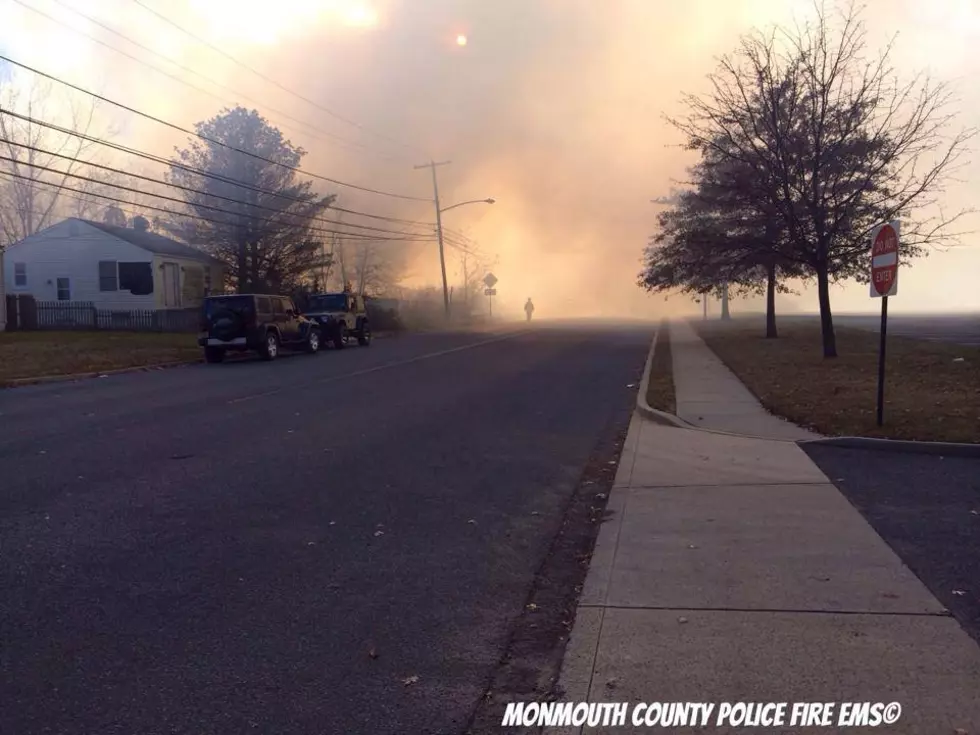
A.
x: 152, y: 242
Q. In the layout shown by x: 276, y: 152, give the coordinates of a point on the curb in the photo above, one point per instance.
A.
x: 668, y: 419
x: 45, y: 379
x: 648, y: 411
x: 944, y: 449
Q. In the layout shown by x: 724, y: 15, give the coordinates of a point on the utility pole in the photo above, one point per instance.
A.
x: 442, y: 253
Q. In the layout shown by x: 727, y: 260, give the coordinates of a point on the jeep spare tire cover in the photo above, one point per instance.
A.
x: 227, y: 324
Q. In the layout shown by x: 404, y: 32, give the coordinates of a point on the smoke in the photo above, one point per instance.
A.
x: 553, y: 107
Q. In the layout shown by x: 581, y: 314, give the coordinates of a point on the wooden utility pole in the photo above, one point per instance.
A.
x: 442, y: 252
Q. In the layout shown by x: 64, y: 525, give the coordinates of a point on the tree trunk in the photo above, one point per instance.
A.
x: 826, y: 318
x: 771, y: 332
x: 725, y: 314
x: 243, y: 266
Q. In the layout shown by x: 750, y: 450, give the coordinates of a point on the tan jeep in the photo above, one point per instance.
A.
x: 341, y: 316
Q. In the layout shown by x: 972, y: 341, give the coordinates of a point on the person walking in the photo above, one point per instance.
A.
x: 529, y: 308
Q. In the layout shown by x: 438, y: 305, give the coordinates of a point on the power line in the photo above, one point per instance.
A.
x: 189, y: 189
x: 39, y: 167
x: 187, y: 69
x: 205, y: 138
x: 60, y: 189
x: 268, y: 79
x: 190, y: 169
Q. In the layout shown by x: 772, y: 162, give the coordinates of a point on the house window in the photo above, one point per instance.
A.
x: 64, y: 289
x: 20, y: 274
x: 108, y: 276
x: 137, y: 278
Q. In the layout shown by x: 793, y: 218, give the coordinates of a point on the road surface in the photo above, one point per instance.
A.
x: 338, y: 543
x: 927, y: 508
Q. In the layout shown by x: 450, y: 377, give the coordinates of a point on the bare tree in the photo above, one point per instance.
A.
x: 474, y: 266
x: 838, y: 142
x: 38, y: 159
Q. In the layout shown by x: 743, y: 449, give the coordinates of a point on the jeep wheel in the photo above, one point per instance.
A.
x: 364, y: 335
x: 270, y: 350
x: 313, y: 341
x: 340, y: 337
x: 214, y: 354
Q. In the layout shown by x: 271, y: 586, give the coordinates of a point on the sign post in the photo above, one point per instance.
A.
x: 884, y: 283
x: 490, y: 280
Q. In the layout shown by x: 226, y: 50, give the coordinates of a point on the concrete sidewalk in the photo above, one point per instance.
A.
x: 709, y: 395
x: 730, y: 569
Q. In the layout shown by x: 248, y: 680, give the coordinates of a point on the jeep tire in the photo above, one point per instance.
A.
x: 340, y: 336
x: 270, y: 348
x: 313, y: 341
x: 364, y: 334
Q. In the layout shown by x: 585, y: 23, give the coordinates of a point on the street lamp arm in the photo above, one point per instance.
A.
x: 471, y: 201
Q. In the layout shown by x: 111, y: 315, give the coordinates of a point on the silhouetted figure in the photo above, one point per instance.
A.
x: 529, y: 308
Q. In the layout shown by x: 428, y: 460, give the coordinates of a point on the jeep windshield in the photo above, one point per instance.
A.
x: 328, y: 302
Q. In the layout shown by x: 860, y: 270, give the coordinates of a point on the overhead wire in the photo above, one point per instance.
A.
x: 355, y: 236
x: 181, y: 187
x: 328, y: 135
x: 191, y: 169
x: 269, y: 79
x: 208, y: 139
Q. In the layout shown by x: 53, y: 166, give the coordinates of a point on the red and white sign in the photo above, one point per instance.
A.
x: 884, y: 260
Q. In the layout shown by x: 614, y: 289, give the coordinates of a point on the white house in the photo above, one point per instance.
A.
x: 114, y: 268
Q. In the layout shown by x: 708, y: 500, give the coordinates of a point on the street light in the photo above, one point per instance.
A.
x: 439, y: 210
x: 489, y: 200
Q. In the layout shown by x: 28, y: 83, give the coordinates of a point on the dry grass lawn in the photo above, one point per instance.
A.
x: 929, y: 396
x: 39, y: 354
x: 660, y: 391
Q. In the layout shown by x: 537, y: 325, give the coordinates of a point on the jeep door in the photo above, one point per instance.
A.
x: 284, y: 315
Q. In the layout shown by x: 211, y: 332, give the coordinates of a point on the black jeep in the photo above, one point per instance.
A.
x: 264, y: 324
x: 341, y: 316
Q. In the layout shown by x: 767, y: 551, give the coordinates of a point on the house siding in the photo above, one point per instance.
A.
x: 194, y: 279
x: 73, y: 249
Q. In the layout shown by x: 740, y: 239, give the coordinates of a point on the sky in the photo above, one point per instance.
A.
x: 552, y: 107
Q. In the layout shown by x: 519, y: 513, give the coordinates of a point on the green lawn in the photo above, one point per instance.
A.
x: 43, y: 353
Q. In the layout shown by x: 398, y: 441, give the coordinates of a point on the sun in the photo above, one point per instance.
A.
x: 461, y: 40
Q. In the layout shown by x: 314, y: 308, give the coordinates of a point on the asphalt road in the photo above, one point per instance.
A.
x: 927, y: 508
x: 339, y: 543
x: 959, y: 328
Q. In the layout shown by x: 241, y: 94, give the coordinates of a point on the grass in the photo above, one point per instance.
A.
x: 39, y: 354
x: 660, y: 390
x: 928, y: 396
